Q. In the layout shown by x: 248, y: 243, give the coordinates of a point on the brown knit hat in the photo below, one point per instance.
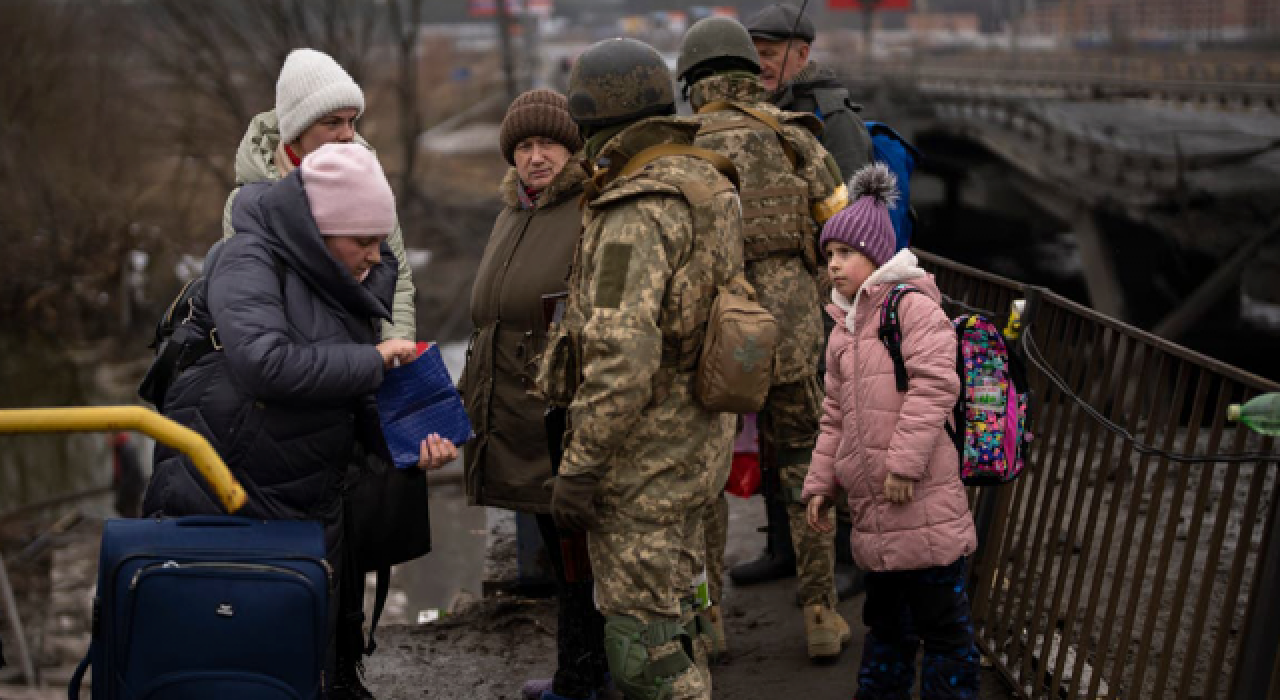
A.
x: 538, y: 113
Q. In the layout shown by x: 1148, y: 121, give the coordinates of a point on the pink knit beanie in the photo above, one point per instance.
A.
x: 865, y: 225
x: 348, y: 194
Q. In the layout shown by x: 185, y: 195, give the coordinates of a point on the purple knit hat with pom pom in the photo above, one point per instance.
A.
x: 865, y: 225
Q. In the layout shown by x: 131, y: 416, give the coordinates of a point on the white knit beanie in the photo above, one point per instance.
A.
x: 312, y: 85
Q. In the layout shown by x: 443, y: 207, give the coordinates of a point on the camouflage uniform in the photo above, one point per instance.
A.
x: 780, y: 207
x: 715, y: 531
x: 656, y: 245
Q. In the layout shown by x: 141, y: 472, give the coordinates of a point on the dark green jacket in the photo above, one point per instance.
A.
x: 528, y: 256
x: 817, y: 91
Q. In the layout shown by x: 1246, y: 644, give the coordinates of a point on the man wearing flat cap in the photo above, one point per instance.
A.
x: 801, y: 85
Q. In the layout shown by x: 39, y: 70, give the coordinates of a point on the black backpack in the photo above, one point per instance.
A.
x: 185, y: 333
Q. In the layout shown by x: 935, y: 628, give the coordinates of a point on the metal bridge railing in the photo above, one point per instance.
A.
x: 1116, y: 567
x: 1251, y: 91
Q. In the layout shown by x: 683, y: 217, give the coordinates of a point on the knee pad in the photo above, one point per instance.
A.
x: 627, y: 645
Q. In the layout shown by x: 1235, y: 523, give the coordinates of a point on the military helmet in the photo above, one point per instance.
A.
x: 779, y: 22
x: 716, y: 39
x: 616, y: 81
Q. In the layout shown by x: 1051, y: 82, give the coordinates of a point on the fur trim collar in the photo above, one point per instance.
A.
x: 567, y: 182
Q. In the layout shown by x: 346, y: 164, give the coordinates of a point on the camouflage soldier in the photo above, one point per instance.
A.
x: 790, y: 185
x: 783, y: 37
x: 661, y: 233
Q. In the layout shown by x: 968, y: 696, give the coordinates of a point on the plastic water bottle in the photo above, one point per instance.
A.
x: 702, y: 590
x: 1262, y: 414
x: 1013, y: 328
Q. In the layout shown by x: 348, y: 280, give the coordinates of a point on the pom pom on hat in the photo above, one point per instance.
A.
x: 311, y: 85
x: 876, y: 181
x: 348, y: 192
x: 865, y: 225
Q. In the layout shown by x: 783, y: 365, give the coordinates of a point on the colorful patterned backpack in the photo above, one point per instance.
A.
x: 990, y: 417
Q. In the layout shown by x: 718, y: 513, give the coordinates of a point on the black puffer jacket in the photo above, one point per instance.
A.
x: 292, y: 388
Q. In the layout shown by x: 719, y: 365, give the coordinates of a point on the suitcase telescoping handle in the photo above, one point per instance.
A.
x: 115, y: 418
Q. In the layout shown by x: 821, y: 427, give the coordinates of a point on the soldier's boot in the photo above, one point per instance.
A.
x: 779, y: 558
x: 850, y: 580
x: 826, y: 633
x: 714, y: 618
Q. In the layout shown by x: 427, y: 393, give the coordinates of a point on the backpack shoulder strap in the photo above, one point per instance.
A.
x: 875, y: 128
x: 891, y: 331
x: 760, y: 116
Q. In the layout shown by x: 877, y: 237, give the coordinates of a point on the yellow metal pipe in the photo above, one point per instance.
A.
x: 115, y: 418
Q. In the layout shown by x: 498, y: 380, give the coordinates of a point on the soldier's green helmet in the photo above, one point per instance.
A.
x: 616, y: 81
x: 721, y: 41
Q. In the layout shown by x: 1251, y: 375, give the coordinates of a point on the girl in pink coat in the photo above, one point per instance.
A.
x: 889, y: 451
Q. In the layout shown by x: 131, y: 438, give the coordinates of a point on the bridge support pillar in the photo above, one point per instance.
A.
x: 1105, y: 292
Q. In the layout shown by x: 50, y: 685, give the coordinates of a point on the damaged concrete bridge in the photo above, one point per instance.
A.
x: 1176, y: 165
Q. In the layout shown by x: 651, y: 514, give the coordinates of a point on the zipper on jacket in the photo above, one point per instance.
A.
x: 215, y: 565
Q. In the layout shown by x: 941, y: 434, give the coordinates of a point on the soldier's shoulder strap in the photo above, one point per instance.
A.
x: 759, y: 115
x: 696, y: 190
x: 806, y: 120
x: 652, y: 153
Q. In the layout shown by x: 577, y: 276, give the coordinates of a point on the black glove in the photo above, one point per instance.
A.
x: 573, y: 502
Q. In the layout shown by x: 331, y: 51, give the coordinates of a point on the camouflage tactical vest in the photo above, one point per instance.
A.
x: 776, y: 214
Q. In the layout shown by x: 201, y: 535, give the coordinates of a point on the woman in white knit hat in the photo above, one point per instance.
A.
x: 317, y: 102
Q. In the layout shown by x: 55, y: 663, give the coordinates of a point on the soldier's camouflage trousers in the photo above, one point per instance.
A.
x: 789, y: 427
x: 902, y: 609
x: 644, y: 576
x: 715, y: 527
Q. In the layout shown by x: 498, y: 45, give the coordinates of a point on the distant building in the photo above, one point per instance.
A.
x: 957, y: 22
x: 1154, y: 20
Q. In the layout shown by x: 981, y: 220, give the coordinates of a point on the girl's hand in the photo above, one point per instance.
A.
x: 436, y: 452
x: 818, y: 513
x: 396, y: 352
x: 898, y: 490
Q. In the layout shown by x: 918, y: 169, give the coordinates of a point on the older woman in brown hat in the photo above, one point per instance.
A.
x: 528, y: 258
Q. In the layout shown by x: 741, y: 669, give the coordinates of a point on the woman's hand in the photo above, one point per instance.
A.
x: 397, y: 351
x: 898, y: 490
x: 436, y: 452
x: 818, y: 513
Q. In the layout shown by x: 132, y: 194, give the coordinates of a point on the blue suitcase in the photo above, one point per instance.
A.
x: 209, y: 607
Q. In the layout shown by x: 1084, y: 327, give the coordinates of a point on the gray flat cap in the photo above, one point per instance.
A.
x: 777, y: 22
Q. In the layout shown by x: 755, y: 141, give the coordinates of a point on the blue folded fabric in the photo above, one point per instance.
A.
x: 416, y: 400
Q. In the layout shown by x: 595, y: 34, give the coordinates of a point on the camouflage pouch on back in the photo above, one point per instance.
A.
x: 735, y: 367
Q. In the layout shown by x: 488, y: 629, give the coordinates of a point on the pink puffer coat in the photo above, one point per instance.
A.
x: 870, y: 429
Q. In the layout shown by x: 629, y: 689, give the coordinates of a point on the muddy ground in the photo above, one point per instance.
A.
x: 489, y: 649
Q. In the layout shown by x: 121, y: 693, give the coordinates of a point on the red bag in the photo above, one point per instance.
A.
x: 744, y: 474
